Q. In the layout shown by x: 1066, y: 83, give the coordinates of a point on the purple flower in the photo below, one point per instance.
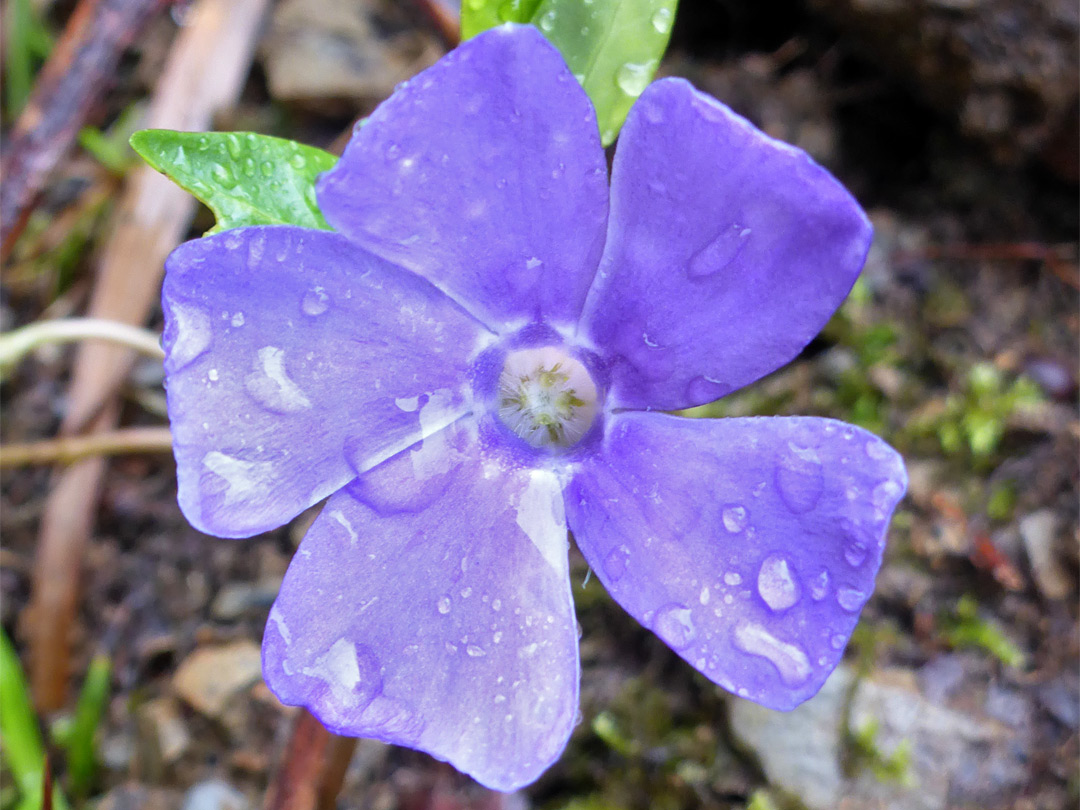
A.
x: 478, y: 359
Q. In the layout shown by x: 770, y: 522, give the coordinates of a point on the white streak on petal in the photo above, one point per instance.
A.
x: 193, y: 333
x: 540, y: 516
x: 433, y: 456
x: 337, y: 515
x: 246, y: 480
x: 339, y: 669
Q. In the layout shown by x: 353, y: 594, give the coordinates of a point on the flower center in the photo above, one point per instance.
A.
x: 546, y: 397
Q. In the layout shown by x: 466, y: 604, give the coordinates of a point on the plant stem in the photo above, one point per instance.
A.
x: 14, y: 345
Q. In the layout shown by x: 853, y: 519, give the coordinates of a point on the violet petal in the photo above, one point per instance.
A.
x: 727, y: 252
x: 748, y: 545
x: 484, y: 174
x: 293, y: 361
x: 429, y: 605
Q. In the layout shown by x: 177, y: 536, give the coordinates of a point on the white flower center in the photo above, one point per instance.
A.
x: 546, y: 397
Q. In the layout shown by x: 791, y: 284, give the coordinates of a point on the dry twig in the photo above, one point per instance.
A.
x: 203, y: 74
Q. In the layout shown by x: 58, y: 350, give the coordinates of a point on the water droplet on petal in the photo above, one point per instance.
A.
x: 444, y: 605
x: 732, y: 579
x: 615, y: 563
x: 799, y: 479
x: 837, y: 642
x: 790, y: 660
x: 855, y: 553
x: 850, y: 599
x: 877, y: 449
x: 777, y: 584
x: 819, y: 586
x: 315, y: 302
x: 734, y: 518
x: 675, y: 625
x: 719, y: 253
x: 885, y: 495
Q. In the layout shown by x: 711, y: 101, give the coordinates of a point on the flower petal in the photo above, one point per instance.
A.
x: 484, y: 174
x: 429, y: 606
x: 727, y: 252
x: 748, y: 545
x: 295, y: 360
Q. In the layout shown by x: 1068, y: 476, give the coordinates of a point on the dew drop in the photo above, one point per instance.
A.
x: 237, y: 320
x: 444, y: 605
x: 615, y: 563
x: 799, y: 479
x: 661, y: 20
x: 837, y: 642
x: 776, y: 583
x: 675, y: 625
x: 719, y: 253
x: 850, y: 599
x: 790, y: 660
x: 819, y: 586
x: 732, y: 579
x: 877, y: 450
x: 223, y: 177
x: 855, y: 553
x: 547, y: 22
x: 474, y: 651
x: 315, y: 302
x: 734, y: 518
x: 885, y: 494
x: 633, y: 77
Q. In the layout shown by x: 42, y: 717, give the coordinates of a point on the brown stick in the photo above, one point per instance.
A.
x: 204, y: 73
x: 65, y: 450
x: 68, y: 89
x: 295, y: 785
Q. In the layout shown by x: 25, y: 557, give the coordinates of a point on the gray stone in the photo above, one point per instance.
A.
x: 800, y: 751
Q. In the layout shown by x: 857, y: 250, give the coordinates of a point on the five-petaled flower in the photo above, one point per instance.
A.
x: 478, y: 358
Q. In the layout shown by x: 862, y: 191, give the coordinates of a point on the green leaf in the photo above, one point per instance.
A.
x: 480, y: 15
x: 20, y: 738
x: 81, y: 742
x: 244, y: 178
x: 612, y: 47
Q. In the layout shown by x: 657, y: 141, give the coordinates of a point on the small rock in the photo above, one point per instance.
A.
x: 213, y: 795
x: 329, y: 55
x: 162, y: 729
x: 800, y: 750
x: 138, y: 797
x: 1039, y: 532
x: 209, y: 677
x: 238, y: 598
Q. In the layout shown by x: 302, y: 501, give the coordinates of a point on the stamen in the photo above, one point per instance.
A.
x: 546, y: 397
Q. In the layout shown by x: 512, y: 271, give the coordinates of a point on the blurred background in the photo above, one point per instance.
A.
x: 954, y: 122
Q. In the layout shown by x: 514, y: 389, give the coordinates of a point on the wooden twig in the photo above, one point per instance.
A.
x: 443, y: 18
x: 296, y: 782
x: 1052, y: 256
x: 68, y: 89
x: 66, y: 450
x: 204, y: 73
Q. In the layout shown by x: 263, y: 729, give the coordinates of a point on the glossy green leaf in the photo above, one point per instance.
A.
x: 612, y: 47
x: 244, y: 178
x: 480, y: 15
